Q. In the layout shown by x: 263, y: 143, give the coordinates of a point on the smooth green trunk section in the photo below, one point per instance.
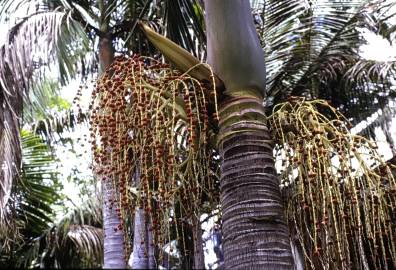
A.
x: 234, y: 51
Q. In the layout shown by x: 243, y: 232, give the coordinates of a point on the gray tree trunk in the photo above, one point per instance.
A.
x: 113, y: 242
x: 152, y: 264
x: 298, y: 256
x: 114, y: 254
x: 255, y: 234
x: 199, y: 261
x: 140, y: 252
x: 143, y: 248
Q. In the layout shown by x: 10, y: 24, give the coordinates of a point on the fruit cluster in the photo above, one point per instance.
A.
x: 340, y: 191
x: 151, y: 119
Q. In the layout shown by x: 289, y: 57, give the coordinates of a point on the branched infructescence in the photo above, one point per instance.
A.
x: 340, y: 193
x: 145, y: 114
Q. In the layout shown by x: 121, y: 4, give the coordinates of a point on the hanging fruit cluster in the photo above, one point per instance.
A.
x: 341, y: 194
x: 146, y: 116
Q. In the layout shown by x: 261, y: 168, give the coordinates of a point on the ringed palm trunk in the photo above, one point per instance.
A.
x: 113, y: 242
x: 140, y: 252
x: 143, y: 249
x: 254, y: 230
x: 152, y: 263
x: 199, y: 261
x: 114, y: 253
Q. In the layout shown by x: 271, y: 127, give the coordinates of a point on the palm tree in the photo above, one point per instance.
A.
x: 325, y: 51
x: 239, y: 63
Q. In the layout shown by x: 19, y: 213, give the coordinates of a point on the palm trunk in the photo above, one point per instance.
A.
x: 255, y: 234
x: 143, y: 248
x: 152, y: 264
x: 106, y: 52
x: 106, y: 49
x: 199, y: 261
x: 298, y: 256
x: 140, y: 258
x: 113, y: 242
x: 114, y: 254
x: 140, y: 252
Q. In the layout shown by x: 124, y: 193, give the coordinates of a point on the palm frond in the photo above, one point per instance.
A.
x: 185, y: 25
x: 75, y: 241
x: 320, y: 28
x: 366, y: 71
x: 51, y: 115
x: 10, y: 157
x: 320, y: 45
x: 282, y: 33
x: 382, y: 120
x: 41, y: 102
x: 34, y: 42
x: 39, y: 184
x: 60, y: 121
x: 29, y: 209
x: 88, y: 241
